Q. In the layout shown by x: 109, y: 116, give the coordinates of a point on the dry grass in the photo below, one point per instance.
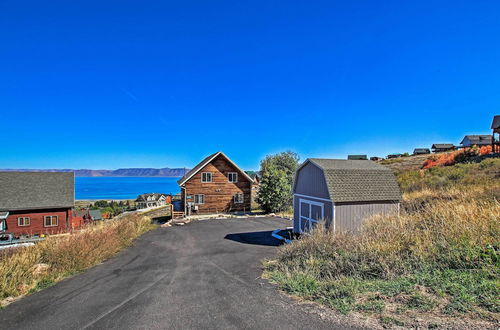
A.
x: 456, y: 230
x: 440, y: 255
x: 29, y: 269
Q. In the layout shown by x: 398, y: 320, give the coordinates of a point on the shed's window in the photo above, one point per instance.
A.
x: 50, y: 220
x: 23, y: 221
x: 199, y: 199
x: 238, y: 198
x: 206, y: 177
x: 233, y: 177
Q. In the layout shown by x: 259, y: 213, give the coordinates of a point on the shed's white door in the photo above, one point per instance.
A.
x: 310, y: 213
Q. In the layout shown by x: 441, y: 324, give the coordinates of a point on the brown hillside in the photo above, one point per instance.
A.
x: 405, y: 163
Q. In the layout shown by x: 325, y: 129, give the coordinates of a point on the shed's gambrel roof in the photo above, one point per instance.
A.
x: 206, y: 161
x: 358, y: 180
x: 36, y: 190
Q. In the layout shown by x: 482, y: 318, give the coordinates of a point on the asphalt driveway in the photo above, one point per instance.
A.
x: 205, y: 274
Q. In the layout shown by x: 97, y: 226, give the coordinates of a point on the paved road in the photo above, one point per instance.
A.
x: 204, y: 275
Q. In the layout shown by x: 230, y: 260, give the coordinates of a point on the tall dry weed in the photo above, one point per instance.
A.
x: 457, y: 231
x: 66, y: 255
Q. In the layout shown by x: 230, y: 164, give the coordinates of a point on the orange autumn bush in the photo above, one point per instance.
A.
x: 459, y: 156
x: 446, y: 159
x: 485, y: 150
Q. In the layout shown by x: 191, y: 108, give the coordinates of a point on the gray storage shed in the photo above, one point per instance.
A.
x: 342, y: 193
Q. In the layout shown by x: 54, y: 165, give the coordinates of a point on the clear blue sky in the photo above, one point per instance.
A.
x: 110, y: 84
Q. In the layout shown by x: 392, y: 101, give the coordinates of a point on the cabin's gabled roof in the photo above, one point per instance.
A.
x: 358, y: 180
x: 478, y: 139
x: 36, y: 190
x: 496, y: 122
x: 206, y: 161
x: 421, y: 150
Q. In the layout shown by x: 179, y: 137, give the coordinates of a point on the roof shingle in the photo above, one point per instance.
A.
x: 483, y: 139
x: 36, y: 190
x: 358, y: 180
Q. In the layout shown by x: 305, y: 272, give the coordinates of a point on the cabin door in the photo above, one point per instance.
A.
x: 311, y: 213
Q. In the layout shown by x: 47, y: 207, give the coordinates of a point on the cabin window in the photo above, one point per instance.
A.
x: 206, y: 177
x: 50, y: 221
x: 199, y: 199
x: 238, y: 198
x: 233, y: 177
x: 23, y: 221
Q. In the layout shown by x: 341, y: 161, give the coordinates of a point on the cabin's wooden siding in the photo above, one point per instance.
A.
x: 36, y: 226
x: 350, y: 217
x: 219, y: 194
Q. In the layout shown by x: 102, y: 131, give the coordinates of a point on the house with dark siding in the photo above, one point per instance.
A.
x: 442, y: 147
x: 216, y: 185
x: 34, y: 203
x: 421, y: 151
x: 342, y: 193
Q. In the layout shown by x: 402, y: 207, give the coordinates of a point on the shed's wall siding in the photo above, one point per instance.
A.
x: 349, y: 217
x: 298, y: 226
x: 311, y: 182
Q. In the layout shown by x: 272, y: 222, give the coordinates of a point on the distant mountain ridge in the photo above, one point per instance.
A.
x: 143, y: 172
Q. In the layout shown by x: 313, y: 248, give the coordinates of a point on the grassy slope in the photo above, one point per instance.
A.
x: 438, y: 258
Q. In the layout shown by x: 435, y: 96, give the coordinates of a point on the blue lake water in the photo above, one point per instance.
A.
x: 122, y: 187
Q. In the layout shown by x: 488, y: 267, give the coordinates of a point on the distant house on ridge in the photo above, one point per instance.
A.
x: 152, y: 200
x: 442, y: 147
x: 357, y: 157
x: 476, y: 140
x: 421, y: 151
x: 394, y: 156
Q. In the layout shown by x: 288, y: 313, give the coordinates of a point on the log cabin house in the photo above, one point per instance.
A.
x: 35, y: 203
x: 216, y: 185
